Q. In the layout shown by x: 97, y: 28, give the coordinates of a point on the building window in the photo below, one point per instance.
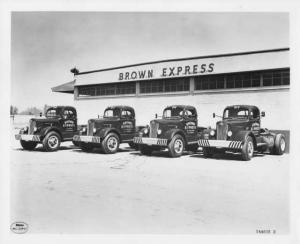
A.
x: 243, y: 80
x: 171, y: 85
x: 107, y: 89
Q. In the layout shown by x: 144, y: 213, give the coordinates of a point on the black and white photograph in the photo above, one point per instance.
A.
x: 150, y: 123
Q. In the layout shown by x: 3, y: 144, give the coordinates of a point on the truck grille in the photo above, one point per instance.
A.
x: 90, y: 127
x: 222, y: 131
x: 31, y: 126
x: 153, y: 129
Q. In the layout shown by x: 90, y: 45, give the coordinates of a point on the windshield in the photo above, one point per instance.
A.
x: 111, y: 113
x: 173, y: 112
x: 236, y: 113
x: 51, y: 113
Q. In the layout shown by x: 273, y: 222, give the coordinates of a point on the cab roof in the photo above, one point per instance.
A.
x: 181, y: 106
x: 250, y: 107
x: 121, y: 107
x: 61, y: 107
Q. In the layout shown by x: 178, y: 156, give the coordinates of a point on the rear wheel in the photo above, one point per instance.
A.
x: 145, y: 149
x: 110, y: 144
x: 28, y: 145
x: 248, y: 149
x: 51, y: 141
x: 208, y: 152
x: 280, y: 145
x: 176, y: 146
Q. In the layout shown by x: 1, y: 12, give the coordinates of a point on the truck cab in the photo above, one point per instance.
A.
x: 116, y: 126
x: 177, y: 130
x: 240, y: 131
x: 58, y: 125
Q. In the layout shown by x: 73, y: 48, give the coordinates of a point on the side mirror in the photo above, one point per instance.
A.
x: 214, y: 115
x: 263, y: 114
x: 156, y: 116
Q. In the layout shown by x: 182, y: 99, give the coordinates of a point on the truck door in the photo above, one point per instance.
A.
x: 190, y: 117
x: 69, y: 123
x: 127, y: 124
x: 254, y: 118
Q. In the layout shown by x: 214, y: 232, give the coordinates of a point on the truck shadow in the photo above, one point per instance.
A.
x: 41, y: 149
x: 226, y: 156
x: 162, y: 154
x: 99, y: 151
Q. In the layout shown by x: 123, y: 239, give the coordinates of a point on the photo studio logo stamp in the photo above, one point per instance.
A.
x: 19, y: 227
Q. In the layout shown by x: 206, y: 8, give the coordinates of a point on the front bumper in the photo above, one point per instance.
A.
x: 26, y: 137
x: 150, y: 141
x: 87, y: 139
x: 220, y: 144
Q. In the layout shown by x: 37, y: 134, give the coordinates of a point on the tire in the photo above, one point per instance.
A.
x: 176, y: 146
x: 86, y: 147
x: 51, y: 141
x: 146, y: 150
x: 133, y: 145
x: 279, y: 145
x: 28, y: 145
x: 208, y: 152
x: 192, y: 148
x: 111, y: 143
x: 248, y: 149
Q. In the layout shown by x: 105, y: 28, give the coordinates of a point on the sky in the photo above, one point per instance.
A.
x: 46, y: 45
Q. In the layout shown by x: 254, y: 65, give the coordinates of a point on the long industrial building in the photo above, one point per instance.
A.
x: 209, y: 83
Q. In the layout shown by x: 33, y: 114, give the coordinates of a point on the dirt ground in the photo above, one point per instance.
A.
x: 70, y: 191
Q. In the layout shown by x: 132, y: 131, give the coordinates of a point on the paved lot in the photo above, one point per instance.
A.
x: 71, y: 191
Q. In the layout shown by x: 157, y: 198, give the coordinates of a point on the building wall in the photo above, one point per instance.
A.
x: 275, y: 103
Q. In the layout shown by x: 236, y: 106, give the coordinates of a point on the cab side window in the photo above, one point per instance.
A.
x: 255, y: 113
x: 69, y: 114
x: 190, y: 113
x: 126, y: 114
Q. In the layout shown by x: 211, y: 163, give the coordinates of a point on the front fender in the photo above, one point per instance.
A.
x: 44, y: 131
x: 242, y: 135
x: 102, y: 133
x: 170, y: 134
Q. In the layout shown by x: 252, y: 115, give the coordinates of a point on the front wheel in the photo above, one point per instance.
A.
x: 176, y: 146
x: 248, y: 149
x: 28, y: 145
x: 110, y: 144
x: 51, y: 141
x: 279, y: 145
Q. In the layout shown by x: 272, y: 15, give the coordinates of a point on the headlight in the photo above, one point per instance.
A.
x: 212, y: 132
x: 146, y: 131
x: 159, y: 131
x: 94, y: 130
x: 83, y: 129
x: 35, y: 129
x: 229, y: 133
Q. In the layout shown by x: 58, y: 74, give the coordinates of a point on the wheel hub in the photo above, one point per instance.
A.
x: 112, y: 143
x: 178, y: 146
x: 250, y: 148
x: 282, y: 145
x: 53, y: 141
